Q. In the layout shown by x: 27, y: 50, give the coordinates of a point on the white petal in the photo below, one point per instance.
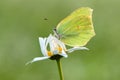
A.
x: 63, y: 54
x: 52, y: 45
x: 48, y: 40
x: 61, y: 44
x: 42, y: 46
x: 37, y: 59
x: 76, y: 48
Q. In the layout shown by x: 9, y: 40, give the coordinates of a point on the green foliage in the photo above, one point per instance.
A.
x: 22, y: 22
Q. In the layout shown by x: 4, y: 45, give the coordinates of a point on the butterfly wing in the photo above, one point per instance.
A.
x: 77, y: 29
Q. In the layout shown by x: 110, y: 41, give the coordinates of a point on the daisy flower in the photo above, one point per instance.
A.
x: 52, y: 48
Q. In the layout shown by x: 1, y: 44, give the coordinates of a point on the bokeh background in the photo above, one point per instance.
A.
x: 23, y: 21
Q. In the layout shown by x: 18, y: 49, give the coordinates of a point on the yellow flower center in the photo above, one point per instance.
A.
x: 49, y: 53
x: 59, y: 49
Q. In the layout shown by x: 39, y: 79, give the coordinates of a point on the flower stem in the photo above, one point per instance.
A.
x: 60, y: 69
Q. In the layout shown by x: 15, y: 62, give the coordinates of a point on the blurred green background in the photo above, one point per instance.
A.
x: 23, y: 21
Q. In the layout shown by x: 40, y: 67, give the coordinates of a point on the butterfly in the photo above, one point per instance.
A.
x: 77, y: 28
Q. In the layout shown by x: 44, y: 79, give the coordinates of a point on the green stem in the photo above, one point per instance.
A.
x: 60, y: 69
